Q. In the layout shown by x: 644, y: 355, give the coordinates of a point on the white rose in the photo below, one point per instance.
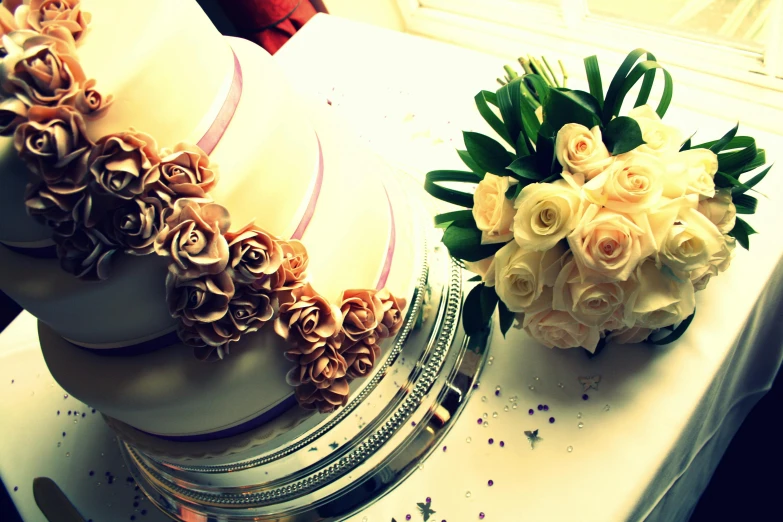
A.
x: 631, y: 184
x: 720, y: 210
x: 607, y: 245
x: 632, y: 335
x: 546, y: 213
x: 592, y: 304
x: 521, y: 275
x: 492, y: 210
x: 659, y: 139
x: 690, y: 172
x: 719, y: 263
x: 661, y: 218
x: 581, y: 151
x: 661, y: 300
x: 484, y: 268
x: 691, y: 243
x: 556, y: 329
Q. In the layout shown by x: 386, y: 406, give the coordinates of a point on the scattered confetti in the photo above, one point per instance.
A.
x: 532, y: 437
x: 502, y: 444
x: 531, y: 411
x: 490, y: 483
x: 551, y: 420
x: 425, y: 509
x: 585, y: 397
x: 334, y: 445
x: 590, y: 382
x: 491, y: 441
x: 580, y: 425
x: 569, y: 449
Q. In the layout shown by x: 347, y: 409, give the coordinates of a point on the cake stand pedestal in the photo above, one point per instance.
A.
x: 351, y: 458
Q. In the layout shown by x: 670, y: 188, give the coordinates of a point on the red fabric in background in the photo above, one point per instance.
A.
x: 269, y: 23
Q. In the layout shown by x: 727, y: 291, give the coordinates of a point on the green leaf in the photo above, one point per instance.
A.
x: 622, y: 134
x: 514, y: 190
x: 598, y: 348
x: 538, y: 86
x: 727, y: 138
x: 546, y: 160
x: 522, y: 147
x: 742, y: 232
x: 463, y: 241
x: 482, y: 103
x: 472, y: 165
x: 489, y: 301
x: 745, y: 204
x: 723, y: 180
x: 625, y: 78
x: 734, y: 161
x: 676, y: 333
x: 688, y: 143
x: 594, y: 79
x: 526, y: 168
x: 509, y: 101
x: 488, y: 154
x: 752, y: 182
x: 444, y: 220
x: 449, y: 195
x: 564, y: 107
x: 530, y: 121
x: 735, y: 143
x: 506, y: 317
x: 472, y: 316
x: 759, y: 160
x: 475, y: 279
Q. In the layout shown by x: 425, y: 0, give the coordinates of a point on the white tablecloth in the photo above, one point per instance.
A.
x: 643, y: 445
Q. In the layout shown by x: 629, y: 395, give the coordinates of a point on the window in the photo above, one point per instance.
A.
x: 722, y: 37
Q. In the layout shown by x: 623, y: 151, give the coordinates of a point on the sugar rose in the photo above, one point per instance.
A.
x: 720, y: 210
x: 581, y: 151
x: 362, y: 311
x: 246, y: 314
x: 54, y: 144
x: 607, y: 245
x: 661, y: 300
x: 360, y: 357
x: 122, y: 164
x: 556, y: 329
x: 187, y: 171
x: 691, y: 243
x: 193, y: 238
x: 290, y: 275
x: 203, y: 299
x: 86, y: 253
x: 391, y: 314
x: 325, y: 400
x: 47, y: 14
x: 12, y: 113
x: 691, y: 172
x: 492, y: 210
x: 136, y: 224
x: 254, y: 253
x: 40, y: 70
x: 520, y: 275
x: 546, y: 213
x: 632, y: 184
x: 90, y: 101
x: 50, y: 208
x: 588, y: 303
x: 309, y: 319
x: 659, y: 138
x: 321, y: 367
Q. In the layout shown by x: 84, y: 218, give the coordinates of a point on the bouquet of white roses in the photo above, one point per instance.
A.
x: 594, y: 226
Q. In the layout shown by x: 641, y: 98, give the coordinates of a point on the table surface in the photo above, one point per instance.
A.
x: 644, y: 443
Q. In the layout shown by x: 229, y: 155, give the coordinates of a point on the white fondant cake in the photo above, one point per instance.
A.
x: 281, y: 165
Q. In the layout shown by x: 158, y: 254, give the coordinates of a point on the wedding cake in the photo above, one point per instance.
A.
x: 202, y: 249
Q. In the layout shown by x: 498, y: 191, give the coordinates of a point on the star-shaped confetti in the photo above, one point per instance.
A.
x: 590, y: 382
x: 425, y: 509
x: 333, y: 445
x: 313, y: 449
x: 532, y: 438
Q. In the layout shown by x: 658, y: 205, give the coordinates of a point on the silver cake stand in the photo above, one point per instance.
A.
x: 330, y: 467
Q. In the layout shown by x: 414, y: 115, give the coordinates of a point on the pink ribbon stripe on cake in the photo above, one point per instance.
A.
x: 310, y: 210
x: 390, y: 248
x: 215, y: 132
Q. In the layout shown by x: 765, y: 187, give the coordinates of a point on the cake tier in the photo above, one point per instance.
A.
x: 168, y: 392
x: 260, y: 166
x: 170, y: 72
